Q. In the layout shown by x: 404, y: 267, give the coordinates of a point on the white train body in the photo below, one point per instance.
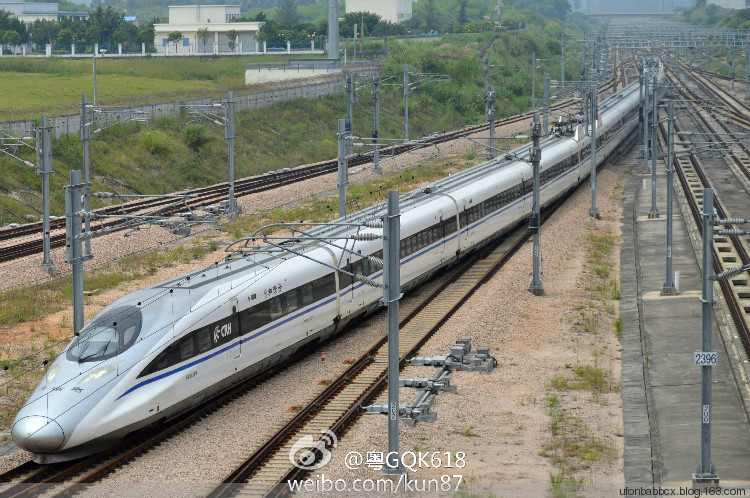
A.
x: 156, y: 352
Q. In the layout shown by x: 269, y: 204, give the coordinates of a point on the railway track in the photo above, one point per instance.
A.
x: 28, y: 478
x: 206, y: 196
x: 728, y: 252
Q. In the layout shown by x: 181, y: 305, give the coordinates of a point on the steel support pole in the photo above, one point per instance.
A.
x: 333, y: 29
x: 536, y: 287
x: 376, y: 133
x: 669, y: 288
x: 731, y: 64
x: 533, y: 80
x: 654, y: 213
x: 486, y: 81
x: 342, y: 137
x: 73, y: 243
x: 545, y: 119
x: 96, y: 101
x: 46, y: 170
x: 645, y: 123
x: 354, y: 54
x: 640, y: 110
x: 491, y: 119
x: 406, y: 102
x: 391, y: 296
x: 705, y: 471
x: 708, y: 58
x: 230, y: 136
x: 562, y: 66
x: 86, y: 124
x: 747, y: 72
x: 593, y: 210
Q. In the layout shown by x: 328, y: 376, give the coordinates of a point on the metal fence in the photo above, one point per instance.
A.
x: 70, y: 124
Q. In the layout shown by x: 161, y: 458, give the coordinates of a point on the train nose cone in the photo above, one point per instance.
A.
x: 37, y: 434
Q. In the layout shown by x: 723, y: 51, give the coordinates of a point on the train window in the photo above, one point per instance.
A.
x: 402, y: 248
x: 255, y: 317
x: 277, y: 307
x: 203, y: 338
x: 109, y: 334
x: 324, y: 287
x: 306, y: 294
x: 187, y: 348
x: 291, y: 301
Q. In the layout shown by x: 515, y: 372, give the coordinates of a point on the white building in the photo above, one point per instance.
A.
x: 731, y: 4
x: 29, y: 12
x: 388, y: 10
x: 188, y: 19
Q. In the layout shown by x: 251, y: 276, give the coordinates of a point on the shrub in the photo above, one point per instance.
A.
x: 156, y: 142
x: 195, y: 136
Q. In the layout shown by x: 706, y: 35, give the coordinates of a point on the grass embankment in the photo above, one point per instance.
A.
x: 54, y: 86
x: 25, y: 359
x: 170, y: 154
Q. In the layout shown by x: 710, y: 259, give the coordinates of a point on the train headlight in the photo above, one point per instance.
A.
x: 100, y: 372
x: 52, y: 371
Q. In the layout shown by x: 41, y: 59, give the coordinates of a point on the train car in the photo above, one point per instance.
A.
x: 155, y: 353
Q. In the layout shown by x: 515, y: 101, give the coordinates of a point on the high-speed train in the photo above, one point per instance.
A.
x: 159, y: 351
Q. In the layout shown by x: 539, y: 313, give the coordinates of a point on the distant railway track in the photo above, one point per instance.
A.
x: 206, y: 196
x: 727, y: 251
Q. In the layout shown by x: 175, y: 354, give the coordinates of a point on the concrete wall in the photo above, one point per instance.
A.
x: 731, y: 4
x: 253, y: 77
x: 639, y: 6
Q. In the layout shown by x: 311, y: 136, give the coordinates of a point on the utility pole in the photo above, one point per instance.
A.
x: 536, y: 287
x: 46, y: 162
x: 343, y: 165
x: 731, y: 64
x: 669, y: 284
x: 87, y: 119
x: 74, y: 255
x: 533, y: 80
x: 645, y: 121
x: 654, y: 213
x: 747, y: 72
x: 96, y: 49
x: 406, y: 102
x: 486, y: 80
x: 705, y: 471
x: 594, y: 211
x: 376, y: 133
x: 708, y: 58
x: 350, y: 102
x: 354, y: 55
x: 229, y: 135
x: 562, y: 67
x: 391, y: 296
x: 640, y: 109
x: 491, y: 119
x: 333, y: 29
x: 545, y: 119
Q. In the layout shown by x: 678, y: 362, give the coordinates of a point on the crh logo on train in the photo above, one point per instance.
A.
x: 222, y: 331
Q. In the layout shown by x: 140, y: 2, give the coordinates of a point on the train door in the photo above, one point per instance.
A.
x: 440, y: 234
x: 235, y: 351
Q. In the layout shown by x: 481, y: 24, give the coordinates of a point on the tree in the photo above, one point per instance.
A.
x: 93, y: 34
x: 11, y: 38
x: 125, y: 33
x: 107, y: 20
x: 203, y: 36
x: 232, y: 35
x: 260, y: 17
x: 174, y: 37
x: 287, y: 12
x: 370, y: 20
x: 462, y: 12
x: 146, y: 34
x: 66, y: 36
x: 431, y: 20
x: 44, y: 31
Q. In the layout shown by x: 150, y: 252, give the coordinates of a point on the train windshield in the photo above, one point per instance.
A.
x: 107, y: 335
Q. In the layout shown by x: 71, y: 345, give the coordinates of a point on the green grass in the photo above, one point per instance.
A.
x: 617, y: 322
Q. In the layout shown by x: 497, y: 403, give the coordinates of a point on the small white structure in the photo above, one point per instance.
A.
x: 389, y: 10
x: 188, y: 19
